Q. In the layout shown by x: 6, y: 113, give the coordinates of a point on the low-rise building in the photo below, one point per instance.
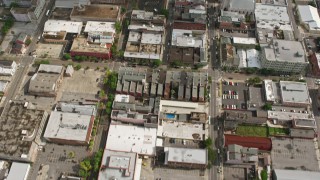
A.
x: 309, y: 18
x: 7, y: 68
x: 186, y: 158
x: 141, y: 140
x: 18, y: 171
x: 3, y: 87
x: 29, y: 12
x: 56, y: 31
x: 294, y: 94
x: 249, y: 142
x: 46, y: 81
x: 294, y: 174
x: 120, y: 165
x: 70, y: 124
x: 245, y: 6
x: 190, y: 10
x: 237, y: 154
x: 284, y: 56
x: 70, y: 3
x: 235, y: 21
x: 20, y: 44
x: 95, y: 12
x: 314, y: 60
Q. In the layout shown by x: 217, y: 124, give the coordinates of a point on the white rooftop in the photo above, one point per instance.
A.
x: 62, y: 25
x: 283, y: 50
x: 146, y: 27
x: 142, y: 55
x: 310, y: 16
x: 283, y: 174
x: 68, y: 126
x: 270, y: 88
x: 181, y: 130
x: 294, y: 92
x: 242, y: 58
x: 95, y: 26
x: 288, y: 116
x: 151, y: 38
x: 3, y: 85
x: 242, y: 5
x: 185, y: 38
x: 271, y: 13
x: 47, y: 68
x: 76, y: 108
x: 243, y: 40
x: 134, y: 36
x: 121, y: 98
x: 179, y: 107
x: 18, y: 171
x: 141, y: 140
x: 186, y: 155
x: 253, y: 58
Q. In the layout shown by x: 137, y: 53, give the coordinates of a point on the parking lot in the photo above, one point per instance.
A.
x: 56, y: 156
x: 83, y: 84
x: 294, y: 154
x: 48, y: 50
x: 234, y: 95
x: 234, y: 173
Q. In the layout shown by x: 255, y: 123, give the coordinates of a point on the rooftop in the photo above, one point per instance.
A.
x: 19, y: 128
x: 287, y: 116
x: 97, y: 27
x: 294, y: 92
x: 189, y: 26
x: 76, y: 108
x: 186, y: 155
x: 242, y: 5
x: 118, y: 165
x: 140, y: 140
x: 310, y: 16
x: 96, y: 11
x: 243, y: 40
x: 54, y: 26
x: 187, y: 38
x: 179, y: 107
x: 18, y: 171
x: 181, y: 130
x: 295, y: 174
x: 151, y: 38
x: 254, y: 142
x: 267, y: 12
x: 43, y: 82
x: 80, y: 44
x: 69, y: 126
x: 46, y: 68
x: 305, y: 123
x: 287, y: 51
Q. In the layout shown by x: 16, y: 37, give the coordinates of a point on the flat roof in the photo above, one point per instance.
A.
x: 253, y: 58
x: 182, y: 130
x: 118, y: 165
x: 151, y: 38
x: 18, y: 171
x: 76, y: 108
x: 296, y: 174
x: 69, y: 126
x: 305, y: 123
x: 47, y: 68
x: 80, y: 44
x: 146, y: 27
x: 96, y: 11
x: 270, y: 89
x: 242, y: 5
x: 3, y: 85
x: 186, y: 155
x: 55, y: 26
x: 271, y: 13
x: 186, y: 38
x: 246, y: 141
x: 286, y: 51
x: 179, y: 107
x: 95, y: 26
x: 141, y: 140
x: 294, y: 92
x: 310, y: 16
x: 43, y: 82
x: 243, y: 40
x: 287, y: 116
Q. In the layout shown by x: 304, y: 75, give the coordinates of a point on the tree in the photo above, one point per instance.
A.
x: 28, y: 42
x: 176, y: 63
x: 14, y: 5
x: 312, y: 3
x: 123, y: 10
x: 77, y: 58
x: 118, y: 26
x: 211, y: 155
x: 156, y: 63
x: 264, y: 175
x: 67, y: 56
x: 165, y: 12
x: 85, y: 168
x: 37, y: 63
x: 71, y: 155
x: 208, y: 142
x: 77, y: 67
x: 267, y: 107
x: 102, y: 94
x: 109, y: 104
x: 96, y: 161
x: 7, y: 25
x: 254, y: 81
x: 258, y: 47
x: 120, y: 53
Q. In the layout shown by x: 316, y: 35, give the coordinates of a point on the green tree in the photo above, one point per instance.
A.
x: 102, y: 94
x: 211, y: 154
x: 176, y: 63
x: 120, y: 54
x: 7, y: 25
x: 96, y: 161
x: 208, y: 143
x: 258, y: 47
x: 118, y: 26
x: 254, y: 81
x: 165, y: 12
x: 112, y: 81
x: 110, y: 97
x: 77, y: 67
x: 37, y: 63
x: 71, y: 155
x: 123, y: 10
x: 28, y: 42
x: 264, y: 175
x: 83, y: 58
x: 267, y: 107
x: 67, y: 56
x: 77, y: 58
x: 14, y: 5
x: 109, y: 104
x: 312, y: 3
x: 85, y: 168
x: 156, y: 63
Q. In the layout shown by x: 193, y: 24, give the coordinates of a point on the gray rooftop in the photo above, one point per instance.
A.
x: 296, y: 174
x: 302, y: 133
x: 43, y: 82
x: 18, y: 171
x: 46, y: 68
x: 242, y: 4
x: 283, y: 50
x: 116, y: 160
x: 294, y: 92
x: 185, y: 155
x: 76, y: 108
